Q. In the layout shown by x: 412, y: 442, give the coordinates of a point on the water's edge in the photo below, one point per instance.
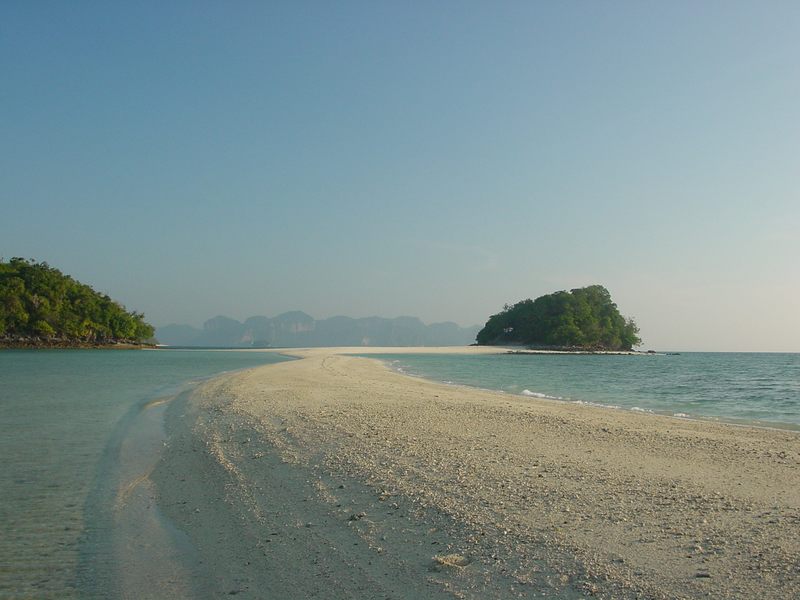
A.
x: 391, y: 363
x: 129, y: 548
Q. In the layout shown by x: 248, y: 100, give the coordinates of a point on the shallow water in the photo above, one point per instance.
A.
x: 751, y: 388
x: 76, y: 427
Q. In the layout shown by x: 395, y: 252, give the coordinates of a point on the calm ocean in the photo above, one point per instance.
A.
x: 761, y: 389
x: 73, y: 424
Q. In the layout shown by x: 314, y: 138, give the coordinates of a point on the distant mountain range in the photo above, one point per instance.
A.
x: 296, y: 329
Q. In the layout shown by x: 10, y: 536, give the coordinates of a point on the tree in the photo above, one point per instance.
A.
x: 37, y: 300
x: 585, y: 318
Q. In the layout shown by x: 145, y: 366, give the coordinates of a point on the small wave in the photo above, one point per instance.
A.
x: 598, y: 404
x: 540, y: 395
x: 638, y: 409
x: 681, y: 415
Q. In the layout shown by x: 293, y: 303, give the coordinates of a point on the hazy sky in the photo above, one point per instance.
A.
x: 435, y: 159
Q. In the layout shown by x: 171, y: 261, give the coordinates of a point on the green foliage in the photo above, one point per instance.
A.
x: 583, y: 318
x: 44, y: 329
x: 37, y: 300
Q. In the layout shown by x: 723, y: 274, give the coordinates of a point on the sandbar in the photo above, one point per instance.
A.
x: 335, y: 477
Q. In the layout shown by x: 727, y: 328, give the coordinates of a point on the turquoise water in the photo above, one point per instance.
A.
x: 67, y: 421
x: 752, y: 388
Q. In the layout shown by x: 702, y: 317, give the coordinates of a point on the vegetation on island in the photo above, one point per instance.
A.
x: 581, y: 319
x: 39, y: 305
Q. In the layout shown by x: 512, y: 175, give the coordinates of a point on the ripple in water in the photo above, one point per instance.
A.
x: 64, y: 418
x: 756, y: 388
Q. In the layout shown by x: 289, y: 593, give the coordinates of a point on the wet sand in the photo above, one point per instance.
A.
x: 335, y: 477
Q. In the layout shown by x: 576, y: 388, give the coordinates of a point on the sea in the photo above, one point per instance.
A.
x: 79, y: 429
x: 761, y: 389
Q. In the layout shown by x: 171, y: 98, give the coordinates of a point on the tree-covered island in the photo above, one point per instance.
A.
x: 40, y: 306
x: 581, y: 319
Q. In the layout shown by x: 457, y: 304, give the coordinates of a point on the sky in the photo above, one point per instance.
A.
x: 433, y: 159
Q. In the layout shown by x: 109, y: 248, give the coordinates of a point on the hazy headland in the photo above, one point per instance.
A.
x: 296, y: 329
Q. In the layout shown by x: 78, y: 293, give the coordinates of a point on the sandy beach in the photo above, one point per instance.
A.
x: 335, y: 477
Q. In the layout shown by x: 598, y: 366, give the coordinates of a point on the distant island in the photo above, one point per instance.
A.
x: 297, y: 329
x: 581, y: 319
x: 42, y: 307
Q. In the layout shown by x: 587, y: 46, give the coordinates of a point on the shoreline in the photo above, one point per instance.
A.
x: 535, y: 397
x: 131, y: 549
x: 269, y: 471
x: 663, y: 413
x: 30, y: 344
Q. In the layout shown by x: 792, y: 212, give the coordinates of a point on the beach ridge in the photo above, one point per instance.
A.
x: 370, y: 482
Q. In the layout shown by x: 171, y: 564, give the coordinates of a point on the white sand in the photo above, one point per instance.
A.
x: 335, y: 477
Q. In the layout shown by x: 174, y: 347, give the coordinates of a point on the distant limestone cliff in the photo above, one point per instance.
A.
x: 298, y: 330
